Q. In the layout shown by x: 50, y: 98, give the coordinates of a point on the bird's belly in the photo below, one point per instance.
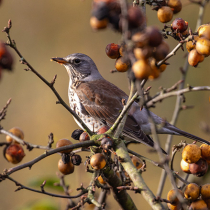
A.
x: 92, y: 123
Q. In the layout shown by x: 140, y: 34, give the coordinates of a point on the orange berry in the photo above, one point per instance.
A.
x: 103, y: 129
x: 98, y: 161
x: 62, y: 143
x: 198, y: 205
x: 185, y: 166
x: 194, y: 58
x: 17, y: 132
x: 143, y: 53
x: 204, y: 31
x: 98, y: 24
x: 67, y: 168
x: 171, y: 196
x: 205, y: 191
x: 137, y: 162
x: 122, y: 65
x: 101, y: 180
x: 189, y: 45
x: 191, y: 153
x: 203, y: 46
x: 140, y: 39
x: 205, y: 151
x: 84, y: 137
x: 176, y: 5
x: 192, y: 191
x: 164, y: 14
x: 141, y: 69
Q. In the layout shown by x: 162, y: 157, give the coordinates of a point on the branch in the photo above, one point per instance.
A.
x: 12, y: 44
x: 29, y: 145
x: 43, y: 191
x: 4, y: 110
x: 175, y: 93
x: 48, y: 153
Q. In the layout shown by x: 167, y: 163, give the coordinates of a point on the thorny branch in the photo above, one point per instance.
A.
x: 4, y: 110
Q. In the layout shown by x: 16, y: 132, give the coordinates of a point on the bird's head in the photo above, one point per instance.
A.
x: 80, y: 67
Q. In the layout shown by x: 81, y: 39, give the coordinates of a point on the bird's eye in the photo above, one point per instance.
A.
x: 76, y: 60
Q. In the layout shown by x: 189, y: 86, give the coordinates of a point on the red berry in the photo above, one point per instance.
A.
x: 112, y: 50
x: 179, y: 24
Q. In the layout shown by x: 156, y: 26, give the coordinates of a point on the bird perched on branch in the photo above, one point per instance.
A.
x: 98, y: 102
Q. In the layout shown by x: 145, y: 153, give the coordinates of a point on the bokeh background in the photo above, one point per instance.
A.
x: 45, y: 29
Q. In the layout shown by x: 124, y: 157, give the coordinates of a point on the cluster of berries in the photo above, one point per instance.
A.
x: 195, y: 159
x: 108, y: 12
x: 199, y: 47
x: 14, y: 152
x: 165, y: 10
x: 148, y: 48
x: 197, y: 196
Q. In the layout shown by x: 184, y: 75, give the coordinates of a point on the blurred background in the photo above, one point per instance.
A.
x: 45, y: 29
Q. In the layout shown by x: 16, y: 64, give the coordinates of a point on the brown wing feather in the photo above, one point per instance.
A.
x: 103, y: 100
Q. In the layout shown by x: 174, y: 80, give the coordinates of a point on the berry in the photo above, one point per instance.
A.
x: 198, y: 205
x: 112, y: 51
x: 137, y: 162
x: 103, y: 129
x: 100, y: 10
x: 84, y: 137
x: 141, y: 69
x: 194, y: 58
x: 161, y: 51
x: 122, y: 64
x: 174, y: 207
x: 176, y: 5
x: 204, y: 31
x: 203, y: 46
x: 98, y: 161
x: 14, y: 153
x: 63, y: 143
x: 192, y: 191
x: 107, y: 143
x: 76, y: 134
x: 101, y: 180
x: 76, y: 159
x: 6, y: 59
x: 17, y: 132
x: 140, y: 39
x: 199, y: 168
x: 98, y: 24
x: 185, y: 166
x: 205, y: 151
x: 143, y: 53
x: 179, y: 24
x: 164, y: 14
x: 171, y: 196
x: 135, y: 17
x: 189, y: 45
x: 191, y: 153
x: 65, y: 169
x: 205, y: 191
x: 154, y: 36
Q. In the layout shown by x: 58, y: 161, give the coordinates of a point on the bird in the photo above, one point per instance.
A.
x: 98, y: 102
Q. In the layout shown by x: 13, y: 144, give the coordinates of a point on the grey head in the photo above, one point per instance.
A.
x: 80, y: 67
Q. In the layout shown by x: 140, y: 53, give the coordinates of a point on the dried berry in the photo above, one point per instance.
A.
x: 76, y: 159
x: 76, y: 134
x: 191, y: 153
x: 192, y: 191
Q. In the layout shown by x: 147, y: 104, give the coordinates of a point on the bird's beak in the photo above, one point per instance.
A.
x: 59, y: 60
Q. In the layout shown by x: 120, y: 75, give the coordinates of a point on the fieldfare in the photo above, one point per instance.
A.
x: 98, y: 102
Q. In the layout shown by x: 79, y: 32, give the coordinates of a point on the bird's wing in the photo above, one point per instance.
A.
x: 103, y: 100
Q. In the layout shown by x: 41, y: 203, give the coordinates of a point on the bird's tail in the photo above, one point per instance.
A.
x: 188, y: 135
